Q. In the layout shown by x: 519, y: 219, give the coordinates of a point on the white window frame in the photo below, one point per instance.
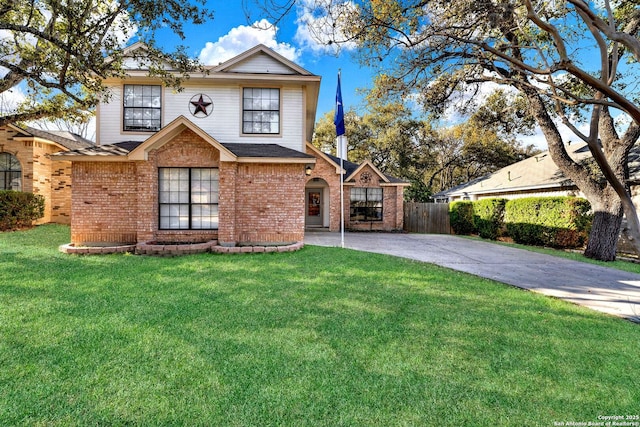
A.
x: 141, y: 108
x: 261, y: 111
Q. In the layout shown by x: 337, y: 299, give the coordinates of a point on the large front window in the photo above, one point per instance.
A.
x: 188, y: 198
x: 10, y: 172
x: 261, y: 110
x: 142, y: 107
x: 366, y: 204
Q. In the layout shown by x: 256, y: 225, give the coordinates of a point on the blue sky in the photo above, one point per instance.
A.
x: 230, y: 33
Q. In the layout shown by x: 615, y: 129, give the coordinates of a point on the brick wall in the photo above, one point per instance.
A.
x: 23, y: 150
x: 52, y: 180
x: 61, y: 192
x: 392, y: 206
x: 42, y: 175
x: 269, y: 203
x: 326, y: 172
x: 326, y: 177
x: 227, y: 204
x: 185, y: 150
x: 104, y: 203
x: 117, y: 202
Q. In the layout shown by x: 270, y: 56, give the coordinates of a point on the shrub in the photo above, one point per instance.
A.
x: 489, y: 217
x: 560, y: 222
x: 461, y: 217
x: 18, y: 209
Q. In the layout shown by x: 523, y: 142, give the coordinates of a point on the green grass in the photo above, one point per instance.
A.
x: 318, y: 337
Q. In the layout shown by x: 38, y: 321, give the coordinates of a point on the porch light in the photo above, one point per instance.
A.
x: 307, y: 170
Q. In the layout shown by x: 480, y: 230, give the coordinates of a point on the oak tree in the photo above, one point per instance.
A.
x: 58, y: 52
x: 570, y: 60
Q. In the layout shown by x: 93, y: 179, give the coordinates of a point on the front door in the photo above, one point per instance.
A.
x: 313, y: 217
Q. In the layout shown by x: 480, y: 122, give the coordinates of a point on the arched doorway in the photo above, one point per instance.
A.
x: 316, y: 203
x: 10, y: 172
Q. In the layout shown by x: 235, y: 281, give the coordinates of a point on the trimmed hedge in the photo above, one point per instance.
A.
x: 18, y: 209
x: 488, y: 215
x: 560, y: 222
x: 461, y: 217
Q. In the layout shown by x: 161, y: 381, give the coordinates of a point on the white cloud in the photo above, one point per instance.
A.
x: 11, y: 99
x: 244, y: 37
x: 538, y: 140
x: 320, y: 25
x: 476, y: 94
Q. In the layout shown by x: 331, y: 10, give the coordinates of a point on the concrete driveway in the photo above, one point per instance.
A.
x: 604, y: 289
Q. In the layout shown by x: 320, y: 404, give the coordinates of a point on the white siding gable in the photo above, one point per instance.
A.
x: 223, y: 86
x: 260, y: 64
x: 224, y: 122
x: 139, y: 63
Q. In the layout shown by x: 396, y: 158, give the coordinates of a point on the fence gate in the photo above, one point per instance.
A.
x: 426, y: 218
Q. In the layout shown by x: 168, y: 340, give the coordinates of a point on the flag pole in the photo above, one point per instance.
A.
x: 341, y: 139
x: 339, y: 122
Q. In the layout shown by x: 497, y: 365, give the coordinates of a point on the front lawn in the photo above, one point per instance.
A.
x: 318, y: 337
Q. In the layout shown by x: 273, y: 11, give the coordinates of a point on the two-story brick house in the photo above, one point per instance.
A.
x: 225, y: 159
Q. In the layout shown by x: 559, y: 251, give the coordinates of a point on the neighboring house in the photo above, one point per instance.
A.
x: 26, y: 164
x: 536, y: 176
x: 225, y: 159
x: 539, y: 176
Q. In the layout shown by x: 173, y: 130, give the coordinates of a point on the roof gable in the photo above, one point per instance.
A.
x: 135, y: 57
x: 170, y: 131
x: 362, y: 166
x: 260, y: 60
x: 351, y: 169
x: 316, y: 151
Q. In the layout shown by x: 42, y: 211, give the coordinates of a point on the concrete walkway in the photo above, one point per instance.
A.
x: 604, y: 289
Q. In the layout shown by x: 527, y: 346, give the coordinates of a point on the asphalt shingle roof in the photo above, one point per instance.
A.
x: 351, y: 167
x: 265, y: 150
x: 536, y: 172
x: 239, y: 149
x: 68, y: 140
x: 117, y: 149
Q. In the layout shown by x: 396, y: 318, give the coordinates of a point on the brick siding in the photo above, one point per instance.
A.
x: 42, y: 175
x: 392, y: 210
x: 104, y: 203
x: 117, y: 202
x: 270, y: 203
x: 61, y: 192
x: 325, y: 172
x: 392, y: 203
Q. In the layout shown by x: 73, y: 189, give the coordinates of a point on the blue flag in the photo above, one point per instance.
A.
x: 339, y: 117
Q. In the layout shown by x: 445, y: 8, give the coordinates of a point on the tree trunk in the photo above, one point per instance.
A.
x: 605, y: 231
x: 605, y: 202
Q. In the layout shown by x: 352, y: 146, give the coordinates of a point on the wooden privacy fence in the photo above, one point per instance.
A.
x: 426, y: 218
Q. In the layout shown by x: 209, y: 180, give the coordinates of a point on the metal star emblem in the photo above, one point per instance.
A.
x: 200, y: 106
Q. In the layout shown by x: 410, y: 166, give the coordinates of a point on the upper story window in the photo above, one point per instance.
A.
x: 261, y: 110
x: 142, y: 107
x: 10, y: 172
